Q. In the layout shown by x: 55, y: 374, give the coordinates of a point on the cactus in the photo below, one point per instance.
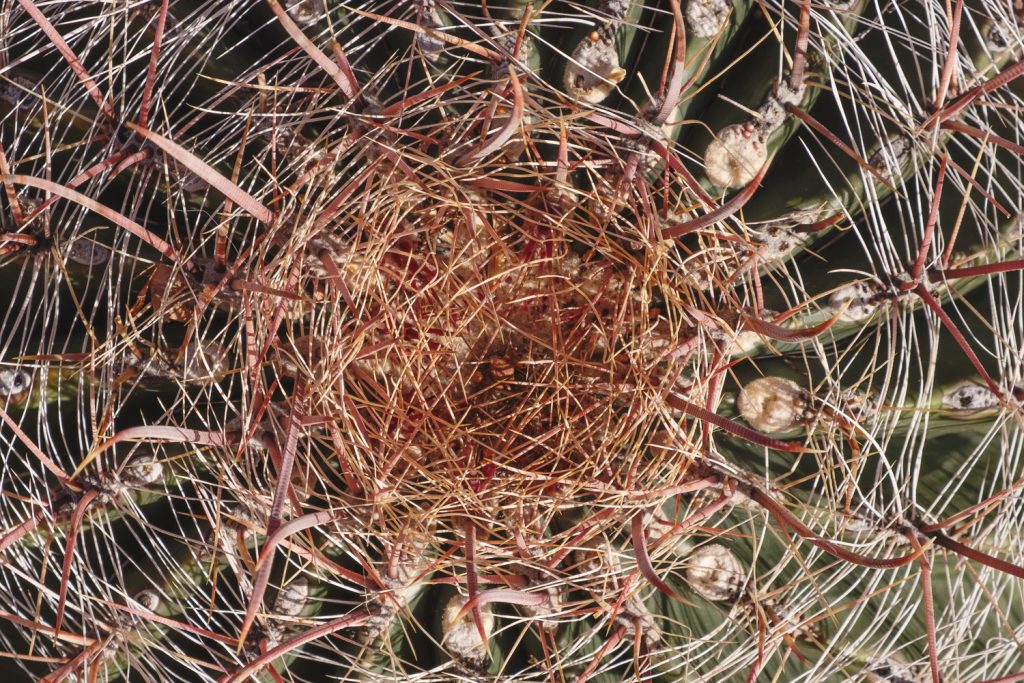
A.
x: 593, y: 340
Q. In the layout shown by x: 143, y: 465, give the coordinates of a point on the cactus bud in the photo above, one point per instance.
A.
x: 715, y: 573
x: 735, y: 156
x: 461, y: 635
x: 774, y: 404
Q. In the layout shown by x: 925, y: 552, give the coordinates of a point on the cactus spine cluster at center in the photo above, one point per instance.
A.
x: 433, y: 340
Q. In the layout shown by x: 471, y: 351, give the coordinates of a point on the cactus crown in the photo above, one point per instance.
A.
x: 434, y: 340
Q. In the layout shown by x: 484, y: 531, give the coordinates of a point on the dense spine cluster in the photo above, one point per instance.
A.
x: 434, y: 340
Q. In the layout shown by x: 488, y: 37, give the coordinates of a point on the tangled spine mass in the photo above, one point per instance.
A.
x: 433, y: 340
